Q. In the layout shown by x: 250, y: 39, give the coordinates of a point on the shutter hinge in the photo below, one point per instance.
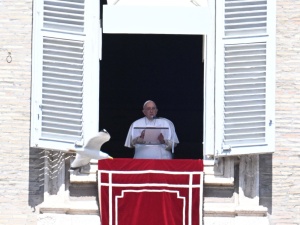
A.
x: 79, y: 143
x: 216, y: 158
x: 226, y: 147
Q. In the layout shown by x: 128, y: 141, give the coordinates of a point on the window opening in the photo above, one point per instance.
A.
x: 165, y: 68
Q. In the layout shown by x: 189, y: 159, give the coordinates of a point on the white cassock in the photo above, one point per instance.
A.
x: 152, y: 151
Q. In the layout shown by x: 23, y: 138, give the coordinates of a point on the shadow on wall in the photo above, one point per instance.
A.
x: 36, y: 177
x: 265, y: 181
x: 46, y: 174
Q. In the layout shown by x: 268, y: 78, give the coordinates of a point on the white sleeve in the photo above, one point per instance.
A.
x: 173, y: 132
x: 129, y: 138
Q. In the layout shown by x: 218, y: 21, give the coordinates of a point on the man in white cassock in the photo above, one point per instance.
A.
x: 152, y: 137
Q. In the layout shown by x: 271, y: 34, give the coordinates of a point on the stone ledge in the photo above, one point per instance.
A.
x: 232, y: 210
x: 219, y: 210
x: 87, y: 174
x: 65, y: 219
x: 71, y: 207
x: 236, y: 220
x: 83, y: 178
x: 218, y: 181
x: 258, y: 211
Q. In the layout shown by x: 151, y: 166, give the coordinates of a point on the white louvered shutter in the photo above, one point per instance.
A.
x: 245, y: 77
x: 65, y: 73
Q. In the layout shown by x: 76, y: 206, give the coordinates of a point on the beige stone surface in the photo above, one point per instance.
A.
x: 22, y: 171
x: 240, y: 220
x: 62, y: 219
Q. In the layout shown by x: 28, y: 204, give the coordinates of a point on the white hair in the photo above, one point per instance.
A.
x: 148, y: 102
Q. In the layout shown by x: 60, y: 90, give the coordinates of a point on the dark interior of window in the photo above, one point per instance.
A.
x: 167, y: 69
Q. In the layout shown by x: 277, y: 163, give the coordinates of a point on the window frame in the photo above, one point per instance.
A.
x: 91, y: 106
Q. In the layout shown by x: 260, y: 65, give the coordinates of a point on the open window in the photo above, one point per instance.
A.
x: 165, y: 68
x: 153, y: 50
x: 234, y: 113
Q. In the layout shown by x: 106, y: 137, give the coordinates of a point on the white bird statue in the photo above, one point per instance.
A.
x: 90, y: 151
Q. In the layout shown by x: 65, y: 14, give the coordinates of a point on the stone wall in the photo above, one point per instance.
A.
x: 22, y: 168
x: 18, y: 186
x: 286, y: 160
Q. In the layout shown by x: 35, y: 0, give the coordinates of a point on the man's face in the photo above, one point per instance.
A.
x: 150, y: 110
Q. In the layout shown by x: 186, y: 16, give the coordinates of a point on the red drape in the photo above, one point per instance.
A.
x: 150, y: 192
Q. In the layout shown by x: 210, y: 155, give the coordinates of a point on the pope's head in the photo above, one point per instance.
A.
x: 150, y: 109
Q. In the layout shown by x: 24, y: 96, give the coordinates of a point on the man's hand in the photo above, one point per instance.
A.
x: 140, y: 139
x: 142, y: 134
x: 161, y: 138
